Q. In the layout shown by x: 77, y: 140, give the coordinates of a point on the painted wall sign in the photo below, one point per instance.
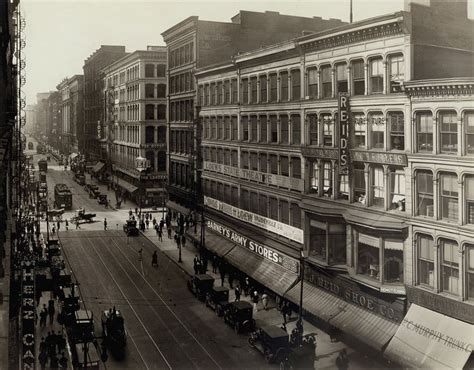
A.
x: 379, y: 157
x: 320, y: 152
x: 28, y: 315
x: 259, y: 249
x: 276, y: 227
x: 343, y: 115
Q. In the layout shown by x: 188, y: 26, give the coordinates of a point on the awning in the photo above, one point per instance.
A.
x: 269, y: 274
x: 177, y: 207
x: 98, y: 166
x: 126, y: 185
x: 374, y: 221
x: 217, y: 244
x: 349, y: 318
x: 428, y: 339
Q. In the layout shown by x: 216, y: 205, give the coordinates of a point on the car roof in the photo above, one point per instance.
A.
x: 274, y: 331
x: 204, y: 277
x: 241, y: 305
x: 220, y: 289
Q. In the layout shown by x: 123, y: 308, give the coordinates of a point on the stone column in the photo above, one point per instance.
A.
x: 436, y: 272
x: 259, y: 96
x: 290, y: 89
x: 333, y: 81
x: 268, y: 89
x: 303, y: 81
x: 386, y: 185
x: 335, y: 179
x: 366, y: 78
x: 319, y: 84
x: 461, y: 205
x: 436, y: 208
x: 462, y: 273
x: 320, y: 178
x: 278, y: 87
x: 249, y: 91
x: 386, y: 85
x: 436, y: 148
x: 349, y: 80
x: 368, y: 195
x: 461, y: 137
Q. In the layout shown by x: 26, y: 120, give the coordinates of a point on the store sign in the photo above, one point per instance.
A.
x: 320, y: 153
x: 99, y: 130
x: 343, y: 115
x: 276, y: 227
x: 393, y: 311
x: 379, y: 157
x: 28, y: 315
x: 257, y: 248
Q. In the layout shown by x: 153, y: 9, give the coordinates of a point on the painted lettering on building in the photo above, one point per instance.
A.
x: 28, y: 315
x: 378, y: 157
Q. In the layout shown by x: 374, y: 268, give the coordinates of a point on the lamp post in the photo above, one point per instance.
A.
x: 141, y: 164
x: 299, y: 324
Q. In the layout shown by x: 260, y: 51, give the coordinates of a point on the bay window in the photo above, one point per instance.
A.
x: 312, y: 83
x: 424, y: 132
x: 449, y: 197
x: 317, y: 243
x: 397, y: 73
x: 344, y: 187
x: 358, y: 77
x: 378, y: 187
x: 424, y: 193
x: 376, y: 76
x: 448, y: 132
x: 341, y: 78
x: 368, y: 258
x: 469, y: 198
x: 425, y: 260
x: 328, y: 242
x: 377, y: 130
x: 326, y: 78
x: 397, y: 130
x: 469, y: 131
x: 314, y: 177
x: 470, y: 271
x: 397, y: 190
x: 295, y: 84
x: 450, y: 267
x: 393, y: 261
x: 313, y: 129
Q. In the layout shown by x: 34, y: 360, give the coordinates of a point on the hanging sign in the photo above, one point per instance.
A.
x: 343, y: 115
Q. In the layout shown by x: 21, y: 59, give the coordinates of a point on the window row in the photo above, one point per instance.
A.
x: 181, y: 55
x: 180, y: 175
x: 181, y: 141
x: 155, y: 112
x: 285, y: 130
x: 181, y: 110
x: 444, y: 267
x: 218, y: 93
x: 262, y: 204
x: 181, y: 83
x: 150, y: 137
x: 157, y: 160
x: 220, y: 128
x: 152, y: 70
x: 445, y: 134
x: 129, y: 134
x: 133, y: 93
x: 129, y: 113
x: 445, y: 197
x: 155, y: 91
x: 124, y: 156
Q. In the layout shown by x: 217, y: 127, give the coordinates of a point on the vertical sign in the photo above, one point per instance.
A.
x: 99, y: 132
x: 28, y: 315
x: 343, y: 114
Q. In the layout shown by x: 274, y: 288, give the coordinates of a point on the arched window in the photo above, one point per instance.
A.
x: 149, y: 90
x: 149, y: 135
x: 161, y: 70
x: 161, y: 111
x: 161, y: 91
x: 161, y: 161
x: 149, y: 70
x: 149, y: 112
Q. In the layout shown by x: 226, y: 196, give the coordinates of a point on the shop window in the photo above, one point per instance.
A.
x: 295, y: 215
x: 360, y: 195
x: 377, y: 187
x: 235, y: 129
x: 393, y: 261
x: 376, y: 76
x: 263, y: 162
x: 470, y: 271
x: 344, y: 187
x: 226, y: 128
x: 449, y: 197
x: 337, y: 243
x: 296, y: 167
x: 469, y: 198
x: 149, y: 90
x: 295, y: 85
x: 254, y: 161
x: 341, y: 78
x: 313, y: 129
x: 284, y: 166
x: 397, y: 131
x: 326, y: 79
x: 284, y: 86
x: 227, y: 92
x: 273, y: 202
x: 284, y: 129
x: 397, y: 190
x: 149, y: 112
x: 360, y: 129
x: 327, y: 179
x: 328, y: 130
x: 274, y: 164
x: 245, y: 128
x: 377, y: 130
x: 424, y: 132
x: 425, y: 263
x: 368, y: 261
x: 263, y: 129
x: 358, y: 77
x: 263, y: 205
x: 317, y: 241
x: 245, y: 91
x: 263, y: 89
x: 274, y: 129
x: 254, y: 202
x: 397, y: 73
x: 312, y: 83
x: 233, y: 85
x: 448, y: 132
x: 254, y: 128
x: 469, y: 131
x: 149, y: 135
x: 424, y: 190
x: 284, y: 212
x: 450, y: 267
x: 273, y: 88
x: 244, y: 160
x: 314, y: 187
x: 296, y: 129
x: 253, y: 87
x: 149, y: 70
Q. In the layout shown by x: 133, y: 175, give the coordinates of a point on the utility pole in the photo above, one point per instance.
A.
x: 351, y: 16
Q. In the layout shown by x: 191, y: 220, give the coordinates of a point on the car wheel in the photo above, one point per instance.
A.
x: 251, y: 341
x: 218, y: 310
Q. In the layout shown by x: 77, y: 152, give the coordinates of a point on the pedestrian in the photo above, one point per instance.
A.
x: 214, y: 264
x: 265, y: 300
x: 195, y: 265
x: 147, y: 223
x: 169, y: 232
x: 140, y: 254
x: 342, y: 360
x: 154, y: 222
x: 51, y: 311
x: 77, y: 225
x: 136, y: 210
x: 63, y: 361
x: 160, y: 234
x: 255, y: 300
x: 43, y: 317
x: 130, y: 213
x: 162, y: 223
x: 154, y: 259
x: 43, y: 359
x: 53, y: 230
x: 231, y: 278
x: 105, y: 224
x: 53, y: 362
x: 222, y: 272
x: 183, y: 240
x: 237, y: 293
x: 246, y: 286
x: 66, y: 225
x: 59, y: 224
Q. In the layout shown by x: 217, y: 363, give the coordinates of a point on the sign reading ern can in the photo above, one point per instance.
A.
x: 343, y: 114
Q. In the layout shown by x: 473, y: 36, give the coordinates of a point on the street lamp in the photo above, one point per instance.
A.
x: 299, y: 324
x: 141, y: 164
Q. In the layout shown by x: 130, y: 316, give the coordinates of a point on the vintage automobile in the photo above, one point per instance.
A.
x: 81, y: 215
x: 80, y: 179
x: 130, y: 228
x: 218, y: 299
x: 102, y: 199
x: 200, y: 285
x: 113, y: 330
x: 239, y: 316
x: 289, y: 351
x: 92, y: 189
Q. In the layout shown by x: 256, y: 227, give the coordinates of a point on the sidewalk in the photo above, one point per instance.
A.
x: 326, y: 351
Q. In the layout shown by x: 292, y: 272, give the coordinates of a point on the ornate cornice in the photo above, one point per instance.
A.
x: 443, y: 88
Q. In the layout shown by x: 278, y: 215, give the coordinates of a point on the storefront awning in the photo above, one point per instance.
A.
x: 126, y: 185
x: 175, y: 206
x: 428, y: 339
x: 374, y: 221
x: 269, y: 274
x: 217, y: 244
x: 98, y: 166
x: 349, y: 318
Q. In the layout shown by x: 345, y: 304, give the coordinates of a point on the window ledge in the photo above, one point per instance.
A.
x: 394, y: 288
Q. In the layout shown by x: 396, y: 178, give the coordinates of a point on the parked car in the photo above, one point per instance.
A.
x: 200, y: 285
x: 130, y: 228
x: 239, y: 316
x: 102, y: 199
x: 218, y: 299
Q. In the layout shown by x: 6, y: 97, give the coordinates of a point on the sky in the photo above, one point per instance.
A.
x: 61, y: 34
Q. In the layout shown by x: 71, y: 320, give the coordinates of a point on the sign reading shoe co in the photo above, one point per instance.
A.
x: 259, y: 249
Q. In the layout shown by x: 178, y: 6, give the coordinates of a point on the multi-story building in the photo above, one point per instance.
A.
x: 93, y: 98
x: 71, y: 113
x: 135, y: 90
x: 335, y: 144
x: 43, y: 128
x: 53, y: 120
x: 195, y: 43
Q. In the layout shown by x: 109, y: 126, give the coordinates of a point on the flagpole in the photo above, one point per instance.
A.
x: 350, y: 17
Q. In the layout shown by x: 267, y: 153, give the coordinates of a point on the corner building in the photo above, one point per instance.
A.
x: 272, y: 169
